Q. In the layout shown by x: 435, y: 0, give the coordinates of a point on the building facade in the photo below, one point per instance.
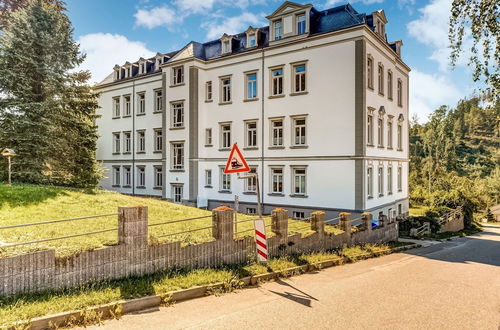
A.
x: 317, y: 101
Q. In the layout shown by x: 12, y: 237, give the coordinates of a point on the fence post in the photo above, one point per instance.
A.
x: 133, y: 225
x: 279, y: 222
x: 222, y: 223
x: 367, y: 221
x: 345, y: 222
x: 318, y: 222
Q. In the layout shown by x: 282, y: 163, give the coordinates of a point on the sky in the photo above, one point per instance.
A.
x: 115, y: 31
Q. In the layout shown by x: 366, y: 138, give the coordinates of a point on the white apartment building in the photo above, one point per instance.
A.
x: 317, y: 101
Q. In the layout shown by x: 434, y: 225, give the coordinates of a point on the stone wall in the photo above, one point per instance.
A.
x: 133, y: 255
x: 453, y: 225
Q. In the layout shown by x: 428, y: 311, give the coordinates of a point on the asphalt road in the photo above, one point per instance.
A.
x: 453, y: 285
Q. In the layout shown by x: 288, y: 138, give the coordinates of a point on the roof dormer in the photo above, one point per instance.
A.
x: 396, y: 45
x: 289, y: 21
x: 128, y: 70
x: 158, y: 61
x: 379, y: 22
x: 226, y: 42
x: 252, y: 37
x: 116, y: 74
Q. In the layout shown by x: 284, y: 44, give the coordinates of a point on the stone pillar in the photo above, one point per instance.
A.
x: 133, y: 225
x: 382, y: 221
x: 318, y: 222
x: 279, y: 222
x: 222, y: 223
x: 367, y: 221
x: 345, y: 222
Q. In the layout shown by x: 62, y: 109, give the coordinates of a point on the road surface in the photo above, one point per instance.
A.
x: 453, y: 285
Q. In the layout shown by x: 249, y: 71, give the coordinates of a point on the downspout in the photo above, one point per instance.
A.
x: 262, y: 181
x: 133, y: 137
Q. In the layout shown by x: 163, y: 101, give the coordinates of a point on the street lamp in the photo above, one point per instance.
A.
x: 9, y: 153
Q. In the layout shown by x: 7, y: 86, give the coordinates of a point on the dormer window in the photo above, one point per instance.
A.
x: 290, y: 20
x: 301, y: 24
x: 278, y: 30
x: 252, y: 40
x: 158, y: 63
x: 226, y: 43
x: 226, y: 47
x: 116, y: 75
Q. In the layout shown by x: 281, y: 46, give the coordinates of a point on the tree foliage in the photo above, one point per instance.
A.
x: 7, y: 7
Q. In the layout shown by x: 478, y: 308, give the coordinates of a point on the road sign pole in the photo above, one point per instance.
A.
x: 259, y: 206
x: 236, y: 208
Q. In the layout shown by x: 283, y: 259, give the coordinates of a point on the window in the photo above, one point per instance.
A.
x: 400, y: 178
x: 177, y: 156
x: 277, y: 180
x: 277, y: 30
x: 127, y: 105
x: 225, y: 136
x: 116, y: 107
x: 116, y: 143
x: 127, y: 142
x: 141, y: 103
x: 299, y: 181
x: 116, y: 176
x: 141, y: 141
x: 208, y: 178
x: 301, y: 24
x: 370, y: 72
x: 226, y: 46
x: 299, y: 81
x: 208, y: 91
x: 400, y: 136
x: 225, y: 181
x: 389, y: 85
x: 389, y: 134
x: 208, y: 137
x: 178, y: 75
x: 225, y: 89
x: 158, y: 63
x: 158, y: 101
x: 400, y: 209
x: 126, y: 176
x: 299, y: 131
x: 381, y: 181
x: 252, y: 40
x: 277, y: 133
x: 251, y: 182
x: 277, y: 85
x: 380, y: 79
x: 298, y: 215
x: 369, y: 181
x: 400, y: 93
x: 389, y: 180
x: 178, y: 115
x: 369, y: 134
x: 177, y: 193
x: 251, y: 210
x: 158, y: 176
x: 380, y: 131
x: 251, y: 86
x: 141, y: 177
x: 251, y: 134
x: 158, y: 139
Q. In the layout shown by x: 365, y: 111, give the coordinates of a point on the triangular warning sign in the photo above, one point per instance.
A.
x: 236, y: 162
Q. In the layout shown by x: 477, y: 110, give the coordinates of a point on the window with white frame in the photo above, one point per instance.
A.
x: 277, y: 133
x: 177, y: 156
x: 116, y: 143
x: 177, y: 191
x: 369, y: 67
x: 158, y: 62
x: 278, y: 30
x: 400, y: 92
x: 298, y: 215
x: 299, y: 181
x: 299, y: 131
x: 208, y: 178
x: 251, y: 86
x: 127, y: 142
x: 225, y: 180
x: 141, y: 103
x: 158, y: 137
x: 225, y: 89
x: 251, y: 182
x: 126, y: 176
x: 299, y: 80
x: 141, y: 176
x: 369, y: 126
x: 116, y: 176
x: 158, y: 172
x: 252, y: 40
x: 400, y: 136
x: 380, y: 181
x: 400, y: 178
x: 301, y: 24
x: 177, y: 118
x: 251, y: 134
x: 277, y: 83
x: 208, y: 136
x: 127, y: 105
x: 141, y: 141
x: 251, y: 210
x: 116, y: 107
x: 158, y: 101
x: 389, y: 180
x: 380, y: 79
x: 369, y: 182
x: 389, y: 134
x: 225, y: 136
x: 380, y: 130
x: 226, y: 46
x: 277, y: 180
x: 177, y: 75
x: 389, y: 85
x: 208, y: 91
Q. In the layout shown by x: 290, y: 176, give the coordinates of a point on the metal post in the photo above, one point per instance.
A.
x: 259, y: 206
x: 8, y: 159
x: 236, y: 208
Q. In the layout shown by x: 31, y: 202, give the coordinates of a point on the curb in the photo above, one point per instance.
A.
x: 111, y: 310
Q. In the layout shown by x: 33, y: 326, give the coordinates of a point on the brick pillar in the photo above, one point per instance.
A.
x: 318, y: 222
x: 222, y: 223
x: 133, y: 225
x: 367, y: 221
x: 279, y: 222
x: 345, y: 222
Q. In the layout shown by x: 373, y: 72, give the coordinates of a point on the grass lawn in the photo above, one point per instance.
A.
x: 34, y: 203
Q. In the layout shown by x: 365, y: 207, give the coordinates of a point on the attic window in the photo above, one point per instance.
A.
x: 226, y: 47
x: 301, y: 24
x: 278, y: 30
x: 252, y: 40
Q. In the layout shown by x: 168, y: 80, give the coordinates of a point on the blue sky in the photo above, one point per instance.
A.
x: 115, y: 31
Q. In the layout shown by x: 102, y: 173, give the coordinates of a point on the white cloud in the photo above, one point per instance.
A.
x: 330, y: 3
x: 430, y: 91
x: 232, y: 25
x: 195, y: 6
x: 155, y: 17
x: 104, y: 50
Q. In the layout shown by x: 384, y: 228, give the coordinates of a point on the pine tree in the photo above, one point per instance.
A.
x: 47, y: 111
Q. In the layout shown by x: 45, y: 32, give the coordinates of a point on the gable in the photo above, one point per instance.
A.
x: 288, y: 7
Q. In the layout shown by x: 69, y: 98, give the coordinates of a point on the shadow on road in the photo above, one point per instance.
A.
x: 302, y: 298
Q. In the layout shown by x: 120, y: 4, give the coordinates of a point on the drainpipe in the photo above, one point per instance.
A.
x: 262, y: 181
x: 133, y: 137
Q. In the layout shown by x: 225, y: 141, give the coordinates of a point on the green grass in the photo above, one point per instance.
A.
x: 417, y: 211
x: 26, y: 306
x: 20, y: 204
